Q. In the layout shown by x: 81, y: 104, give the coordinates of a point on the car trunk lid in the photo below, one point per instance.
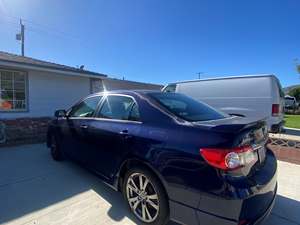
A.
x: 245, y: 132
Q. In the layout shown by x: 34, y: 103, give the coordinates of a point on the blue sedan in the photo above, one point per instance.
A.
x: 172, y: 157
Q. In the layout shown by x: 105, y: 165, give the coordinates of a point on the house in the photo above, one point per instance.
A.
x: 31, y: 90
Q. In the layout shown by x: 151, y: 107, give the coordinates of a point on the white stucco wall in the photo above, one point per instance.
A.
x: 49, y: 91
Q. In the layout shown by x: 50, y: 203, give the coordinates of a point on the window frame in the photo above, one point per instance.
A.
x: 26, y: 91
x: 117, y: 120
x: 79, y: 102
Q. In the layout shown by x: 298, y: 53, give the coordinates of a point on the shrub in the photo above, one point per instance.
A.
x: 295, y: 93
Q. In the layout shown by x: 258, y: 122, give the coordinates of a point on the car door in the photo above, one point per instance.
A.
x: 75, y: 129
x: 113, y: 133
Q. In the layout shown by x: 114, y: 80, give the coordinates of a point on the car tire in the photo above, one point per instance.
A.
x: 153, y: 207
x: 55, y: 149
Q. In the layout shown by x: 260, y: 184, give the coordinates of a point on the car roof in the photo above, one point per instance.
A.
x: 126, y: 92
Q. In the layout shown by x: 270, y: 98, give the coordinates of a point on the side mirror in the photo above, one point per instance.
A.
x: 60, y: 113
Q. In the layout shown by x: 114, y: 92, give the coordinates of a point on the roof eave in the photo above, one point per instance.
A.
x: 65, y: 71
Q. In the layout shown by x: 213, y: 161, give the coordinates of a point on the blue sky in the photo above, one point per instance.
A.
x: 159, y: 41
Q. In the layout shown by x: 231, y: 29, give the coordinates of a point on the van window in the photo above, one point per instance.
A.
x: 186, y: 108
x: 170, y: 88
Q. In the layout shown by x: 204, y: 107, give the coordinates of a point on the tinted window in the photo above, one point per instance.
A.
x: 186, y: 107
x: 134, y: 114
x: 86, y: 108
x: 116, y: 107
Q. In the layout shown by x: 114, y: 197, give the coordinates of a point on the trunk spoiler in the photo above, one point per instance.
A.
x: 232, y: 124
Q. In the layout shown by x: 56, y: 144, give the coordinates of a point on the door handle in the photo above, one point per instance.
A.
x: 124, y: 132
x: 84, y: 126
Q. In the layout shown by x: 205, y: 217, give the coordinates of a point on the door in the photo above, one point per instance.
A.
x: 113, y: 133
x: 75, y: 129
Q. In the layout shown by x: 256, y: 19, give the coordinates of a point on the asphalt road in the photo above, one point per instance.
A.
x: 34, y: 189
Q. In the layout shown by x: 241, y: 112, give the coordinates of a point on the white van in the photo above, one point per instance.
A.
x: 256, y: 96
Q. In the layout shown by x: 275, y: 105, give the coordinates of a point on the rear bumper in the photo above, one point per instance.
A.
x: 184, y: 214
x: 264, y: 216
x: 250, y: 205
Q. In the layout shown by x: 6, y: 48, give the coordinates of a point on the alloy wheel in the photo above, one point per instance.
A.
x: 142, y: 197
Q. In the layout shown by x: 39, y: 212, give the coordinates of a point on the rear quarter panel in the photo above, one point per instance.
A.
x: 186, y: 173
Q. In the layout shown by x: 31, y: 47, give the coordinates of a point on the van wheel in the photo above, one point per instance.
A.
x: 55, y: 149
x: 145, y: 197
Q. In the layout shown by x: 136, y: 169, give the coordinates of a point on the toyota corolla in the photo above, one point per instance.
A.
x: 172, y: 157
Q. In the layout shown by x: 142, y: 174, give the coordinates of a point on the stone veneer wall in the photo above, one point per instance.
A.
x: 23, y: 130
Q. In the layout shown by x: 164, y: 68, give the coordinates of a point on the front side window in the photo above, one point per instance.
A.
x: 186, y: 108
x: 86, y: 108
x: 117, y: 107
x: 12, y: 91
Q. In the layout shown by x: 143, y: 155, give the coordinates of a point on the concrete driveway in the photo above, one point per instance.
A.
x: 34, y: 189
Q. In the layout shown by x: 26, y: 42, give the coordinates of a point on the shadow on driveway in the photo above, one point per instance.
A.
x: 286, y: 211
x: 30, y: 181
x: 33, y: 188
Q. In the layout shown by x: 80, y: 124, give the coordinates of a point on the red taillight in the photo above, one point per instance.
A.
x: 229, y: 159
x: 275, y: 109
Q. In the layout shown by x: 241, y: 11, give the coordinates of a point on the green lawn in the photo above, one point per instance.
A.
x: 292, y: 121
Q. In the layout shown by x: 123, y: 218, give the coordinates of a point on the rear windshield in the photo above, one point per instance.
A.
x: 186, y: 108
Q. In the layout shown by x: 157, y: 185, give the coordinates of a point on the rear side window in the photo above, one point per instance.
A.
x: 170, y: 88
x: 86, y: 108
x: 117, y: 107
x: 186, y: 107
x: 134, y: 113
